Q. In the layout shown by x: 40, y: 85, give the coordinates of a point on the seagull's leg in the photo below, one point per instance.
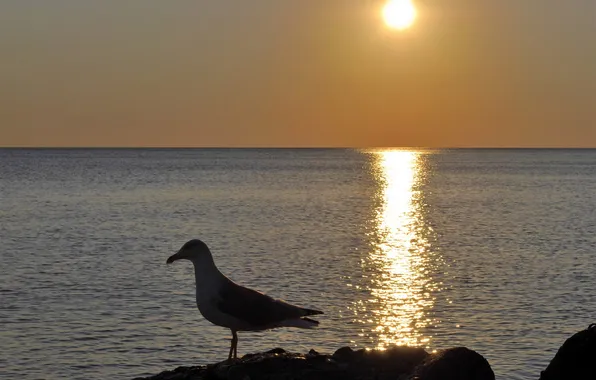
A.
x: 235, y: 343
x: 233, y: 350
x: 231, y: 346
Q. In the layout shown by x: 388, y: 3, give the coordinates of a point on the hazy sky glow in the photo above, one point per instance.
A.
x: 297, y: 73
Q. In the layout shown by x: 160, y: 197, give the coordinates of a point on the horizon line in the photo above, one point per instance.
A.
x: 300, y: 147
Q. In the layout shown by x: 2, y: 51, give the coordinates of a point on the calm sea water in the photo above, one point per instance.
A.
x: 491, y: 249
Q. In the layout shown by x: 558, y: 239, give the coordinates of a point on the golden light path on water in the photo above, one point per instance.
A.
x: 400, y: 261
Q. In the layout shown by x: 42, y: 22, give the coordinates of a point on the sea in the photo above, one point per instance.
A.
x: 492, y: 249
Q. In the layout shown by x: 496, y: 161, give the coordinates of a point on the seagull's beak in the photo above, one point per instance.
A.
x: 174, y: 257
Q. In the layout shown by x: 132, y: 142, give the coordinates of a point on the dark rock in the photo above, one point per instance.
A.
x: 276, y: 351
x: 313, y: 353
x: 343, y: 354
x: 376, y: 363
x: 576, y: 359
x: 180, y: 373
x: 278, y: 364
x: 458, y: 363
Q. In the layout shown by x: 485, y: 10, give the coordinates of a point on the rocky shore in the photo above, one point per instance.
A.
x: 576, y: 360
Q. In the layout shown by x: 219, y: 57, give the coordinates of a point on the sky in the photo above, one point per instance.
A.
x: 285, y: 73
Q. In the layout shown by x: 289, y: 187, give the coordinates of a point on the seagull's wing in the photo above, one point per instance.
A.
x: 257, y: 308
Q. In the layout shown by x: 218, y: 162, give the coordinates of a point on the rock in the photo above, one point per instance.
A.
x: 576, y: 359
x: 343, y: 354
x: 278, y: 364
x: 377, y: 363
x: 180, y: 373
x: 458, y: 363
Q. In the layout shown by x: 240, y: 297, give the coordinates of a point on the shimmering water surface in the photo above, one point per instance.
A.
x: 491, y: 249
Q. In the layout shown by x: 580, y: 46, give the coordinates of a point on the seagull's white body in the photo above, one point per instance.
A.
x: 209, y: 281
x: 225, y: 303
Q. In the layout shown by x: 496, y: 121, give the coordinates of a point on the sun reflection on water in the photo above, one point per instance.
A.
x: 399, y: 263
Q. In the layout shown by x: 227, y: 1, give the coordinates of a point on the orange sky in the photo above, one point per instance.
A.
x: 297, y: 73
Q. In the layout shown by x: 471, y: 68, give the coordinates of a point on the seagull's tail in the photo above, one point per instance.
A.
x: 303, y: 323
x: 311, y: 312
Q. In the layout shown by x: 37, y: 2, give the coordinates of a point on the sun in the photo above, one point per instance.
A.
x: 399, y: 14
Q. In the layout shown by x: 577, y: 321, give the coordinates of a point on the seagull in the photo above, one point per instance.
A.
x: 225, y: 303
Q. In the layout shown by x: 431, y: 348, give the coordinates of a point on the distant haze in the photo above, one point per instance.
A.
x: 297, y: 73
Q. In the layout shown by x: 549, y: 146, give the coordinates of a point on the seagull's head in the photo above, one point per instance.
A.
x: 193, y: 250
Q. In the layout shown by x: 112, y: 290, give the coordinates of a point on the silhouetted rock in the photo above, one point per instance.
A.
x: 457, y: 363
x: 393, y: 361
x: 576, y: 359
x: 278, y: 364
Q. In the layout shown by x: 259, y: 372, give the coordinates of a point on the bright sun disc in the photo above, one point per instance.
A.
x: 399, y: 14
